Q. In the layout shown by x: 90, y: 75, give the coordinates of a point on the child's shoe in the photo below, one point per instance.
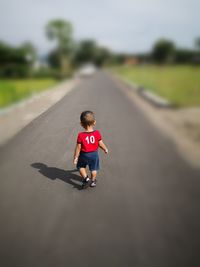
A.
x: 93, y: 183
x: 85, y: 182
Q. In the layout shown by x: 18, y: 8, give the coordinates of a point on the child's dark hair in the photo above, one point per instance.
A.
x: 87, y: 118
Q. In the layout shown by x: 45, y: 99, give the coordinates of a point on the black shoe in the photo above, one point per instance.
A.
x: 85, y: 182
x: 93, y: 183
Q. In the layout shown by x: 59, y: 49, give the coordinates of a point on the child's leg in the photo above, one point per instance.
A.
x: 83, y: 172
x: 93, y: 175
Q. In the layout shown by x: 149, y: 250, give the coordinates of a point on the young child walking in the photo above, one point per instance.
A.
x: 86, y: 150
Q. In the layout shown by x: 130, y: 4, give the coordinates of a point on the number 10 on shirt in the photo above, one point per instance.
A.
x: 90, y: 139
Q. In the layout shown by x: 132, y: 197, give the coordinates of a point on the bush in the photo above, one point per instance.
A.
x: 13, y: 62
x: 45, y: 73
x: 51, y: 73
x: 184, y: 56
x: 14, y: 71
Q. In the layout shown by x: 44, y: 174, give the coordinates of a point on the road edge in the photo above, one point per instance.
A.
x: 18, y: 116
x: 149, y: 96
x: 161, y: 118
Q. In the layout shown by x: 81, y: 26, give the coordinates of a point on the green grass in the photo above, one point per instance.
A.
x: 12, y: 91
x: 179, y: 84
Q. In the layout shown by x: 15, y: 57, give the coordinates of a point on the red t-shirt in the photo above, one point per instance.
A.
x: 89, y: 140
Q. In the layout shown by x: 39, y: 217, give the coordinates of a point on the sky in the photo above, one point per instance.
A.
x: 122, y: 25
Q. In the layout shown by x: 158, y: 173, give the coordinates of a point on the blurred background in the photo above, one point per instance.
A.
x: 153, y: 43
x: 115, y: 55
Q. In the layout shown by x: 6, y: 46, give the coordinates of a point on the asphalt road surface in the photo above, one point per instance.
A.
x: 145, y: 210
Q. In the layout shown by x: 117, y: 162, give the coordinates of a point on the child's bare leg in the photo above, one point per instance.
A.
x: 93, y: 175
x: 83, y: 172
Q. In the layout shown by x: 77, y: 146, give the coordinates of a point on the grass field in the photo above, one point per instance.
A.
x: 179, y: 84
x: 12, y: 91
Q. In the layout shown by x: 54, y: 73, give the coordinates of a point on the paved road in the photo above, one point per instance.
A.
x: 145, y: 210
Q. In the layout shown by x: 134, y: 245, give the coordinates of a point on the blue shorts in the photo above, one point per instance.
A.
x: 88, y: 158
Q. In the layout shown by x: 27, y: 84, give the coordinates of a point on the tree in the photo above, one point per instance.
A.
x: 90, y: 51
x: 13, y: 62
x: 54, y: 59
x: 30, y: 51
x: 30, y: 55
x: 197, y: 43
x: 61, y: 31
x: 85, y: 52
x: 103, y: 56
x: 196, y: 59
x: 163, y: 51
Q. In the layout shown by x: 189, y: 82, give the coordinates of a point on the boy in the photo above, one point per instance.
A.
x: 86, y: 151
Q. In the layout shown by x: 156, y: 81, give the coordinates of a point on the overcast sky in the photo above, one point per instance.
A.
x: 122, y: 25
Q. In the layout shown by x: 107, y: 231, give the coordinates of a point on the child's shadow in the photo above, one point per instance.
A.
x: 54, y: 173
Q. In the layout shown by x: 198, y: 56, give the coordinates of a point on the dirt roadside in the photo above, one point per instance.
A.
x: 18, y: 116
x: 181, y: 125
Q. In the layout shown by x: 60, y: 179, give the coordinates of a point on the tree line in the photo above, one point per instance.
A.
x: 69, y: 54
x: 165, y: 51
x: 62, y: 60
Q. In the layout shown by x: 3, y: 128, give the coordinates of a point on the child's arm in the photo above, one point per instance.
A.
x: 76, y: 153
x: 103, y: 146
